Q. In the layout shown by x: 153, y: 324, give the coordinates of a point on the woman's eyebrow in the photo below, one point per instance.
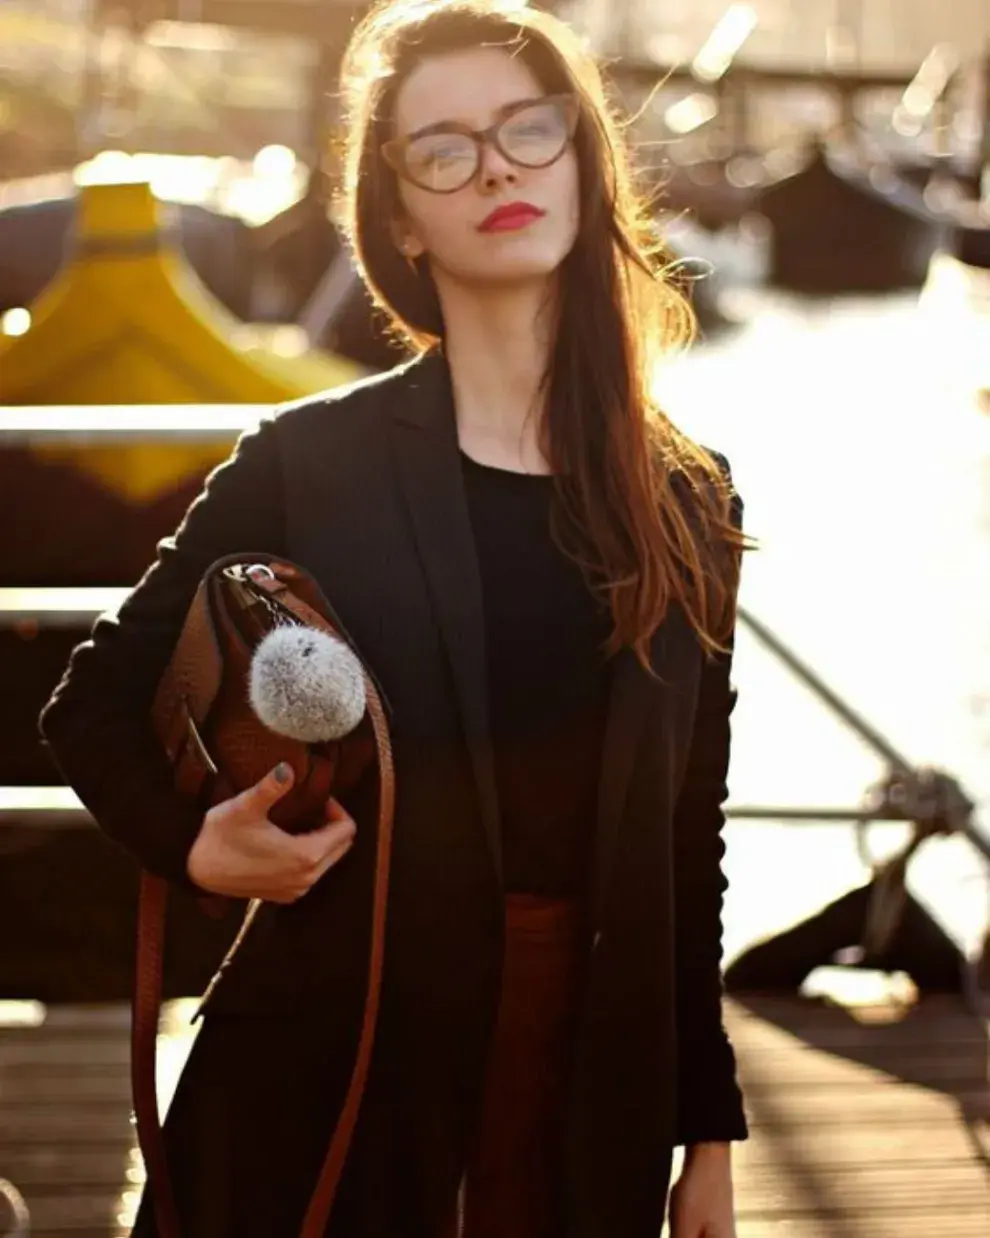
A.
x: 438, y: 126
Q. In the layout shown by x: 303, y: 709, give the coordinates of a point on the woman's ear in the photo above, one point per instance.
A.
x: 405, y: 241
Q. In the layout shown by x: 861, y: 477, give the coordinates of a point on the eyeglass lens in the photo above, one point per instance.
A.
x: 532, y: 137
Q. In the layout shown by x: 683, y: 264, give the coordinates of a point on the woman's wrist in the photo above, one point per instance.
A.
x: 715, y: 1152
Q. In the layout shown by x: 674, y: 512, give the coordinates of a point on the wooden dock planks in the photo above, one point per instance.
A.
x: 871, y: 1124
x: 864, y: 1124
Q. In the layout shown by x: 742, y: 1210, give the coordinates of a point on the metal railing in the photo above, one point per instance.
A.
x: 119, y: 425
x: 929, y: 798
x: 58, y: 607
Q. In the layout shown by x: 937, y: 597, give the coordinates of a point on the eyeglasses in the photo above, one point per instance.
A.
x: 445, y: 157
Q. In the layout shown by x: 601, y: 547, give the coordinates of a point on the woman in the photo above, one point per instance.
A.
x: 542, y: 571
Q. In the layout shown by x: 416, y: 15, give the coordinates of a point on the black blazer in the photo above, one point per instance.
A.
x: 364, y: 487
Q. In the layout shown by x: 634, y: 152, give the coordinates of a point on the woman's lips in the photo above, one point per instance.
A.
x: 509, y: 218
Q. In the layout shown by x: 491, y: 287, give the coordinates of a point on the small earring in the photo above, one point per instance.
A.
x: 411, y: 263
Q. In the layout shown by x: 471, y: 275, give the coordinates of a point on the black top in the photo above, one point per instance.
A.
x: 547, y: 682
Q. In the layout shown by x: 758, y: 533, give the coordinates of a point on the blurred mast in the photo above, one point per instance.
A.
x: 985, y: 136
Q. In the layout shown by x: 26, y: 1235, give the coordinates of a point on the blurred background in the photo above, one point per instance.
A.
x: 171, y: 266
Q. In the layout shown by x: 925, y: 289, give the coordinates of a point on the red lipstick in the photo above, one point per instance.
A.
x: 510, y: 217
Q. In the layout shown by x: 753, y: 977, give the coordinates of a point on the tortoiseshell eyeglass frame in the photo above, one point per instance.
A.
x: 394, y: 150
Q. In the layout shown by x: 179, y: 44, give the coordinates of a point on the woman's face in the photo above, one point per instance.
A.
x: 477, y: 88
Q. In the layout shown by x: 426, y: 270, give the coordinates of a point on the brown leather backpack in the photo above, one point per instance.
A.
x: 218, y: 748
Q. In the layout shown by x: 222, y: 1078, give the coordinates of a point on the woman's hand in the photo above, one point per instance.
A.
x: 240, y: 853
x: 701, y: 1204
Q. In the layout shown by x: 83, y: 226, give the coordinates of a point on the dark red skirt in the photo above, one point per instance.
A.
x: 512, y: 1186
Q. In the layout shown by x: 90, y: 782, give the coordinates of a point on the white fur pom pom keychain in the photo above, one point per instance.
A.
x: 306, y: 685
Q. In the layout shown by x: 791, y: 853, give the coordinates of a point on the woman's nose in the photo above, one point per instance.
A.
x: 495, y: 169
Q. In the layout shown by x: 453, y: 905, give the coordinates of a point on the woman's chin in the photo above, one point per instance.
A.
x: 524, y: 276
x: 515, y: 270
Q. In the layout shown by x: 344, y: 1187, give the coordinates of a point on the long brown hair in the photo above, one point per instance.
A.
x: 645, y: 511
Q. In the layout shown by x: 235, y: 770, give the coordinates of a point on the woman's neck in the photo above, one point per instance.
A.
x: 497, y: 346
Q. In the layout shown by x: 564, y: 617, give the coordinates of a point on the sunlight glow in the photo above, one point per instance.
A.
x: 736, y: 25
x: 24, y: 799
x: 930, y: 81
x: 690, y: 113
x: 274, y: 161
x: 254, y: 191
x: 22, y: 1014
x: 15, y: 321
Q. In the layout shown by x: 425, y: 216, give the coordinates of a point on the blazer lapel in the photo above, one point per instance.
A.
x: 428, y: 464
x: 639, y: 705
x: 631, y: 696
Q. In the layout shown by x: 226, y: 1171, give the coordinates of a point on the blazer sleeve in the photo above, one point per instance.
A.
x: 710, y: 1107
x: 97, y: 723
